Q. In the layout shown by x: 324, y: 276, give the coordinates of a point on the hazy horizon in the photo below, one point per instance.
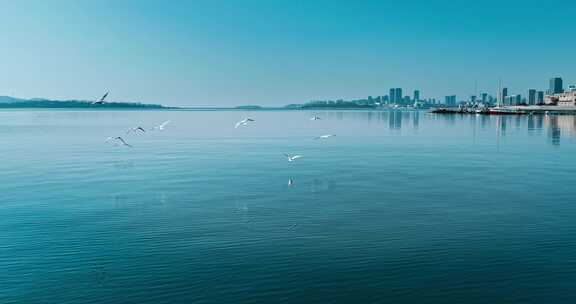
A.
x: 201, y: 53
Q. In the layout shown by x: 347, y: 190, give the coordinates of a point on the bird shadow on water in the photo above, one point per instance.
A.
x: 124, y: 201
x: 99, y: 273
x: 242, y: 209
x: 123, y: 164
x: 321, y: 186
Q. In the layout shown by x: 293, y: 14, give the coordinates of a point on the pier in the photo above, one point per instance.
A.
x: 510, y: 110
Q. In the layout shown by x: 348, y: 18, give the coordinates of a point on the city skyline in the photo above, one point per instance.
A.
x: 530, y: 96
x: 200, y: 53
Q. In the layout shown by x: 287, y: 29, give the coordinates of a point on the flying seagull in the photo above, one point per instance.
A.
x: 292, y: 158
x: 135, y: 129
x: 290, y: 182
x: 118, y: 139
x: 243, y: 122
x: 314, y: 117
x: 324, y: 136
x: 101, y: 101
x: 161, y: 126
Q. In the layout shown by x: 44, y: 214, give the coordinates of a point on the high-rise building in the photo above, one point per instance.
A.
x: 531, y: 97
x: 502, y: 96
x: 555, y: 86
x: 392, y: 96
x: 539, y: 97
x: 518, y: 99
x: 450, y: 100
x: 398, y: 95
x: 416, y: 95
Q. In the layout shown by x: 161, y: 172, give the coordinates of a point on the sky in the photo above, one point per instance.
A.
x: 276, y: 52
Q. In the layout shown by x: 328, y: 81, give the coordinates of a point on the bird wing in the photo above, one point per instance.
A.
x: 141, y: 129
x: 296, y: 156
x: 249, y: 119
x: 238, y: 124
x: 104, y: 97
x: 123, y: 141
x: 164, y: 123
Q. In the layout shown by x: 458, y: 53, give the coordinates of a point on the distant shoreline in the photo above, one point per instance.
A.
x: 7, y: 102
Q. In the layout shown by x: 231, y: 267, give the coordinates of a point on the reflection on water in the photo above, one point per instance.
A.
x: 554, y: 126
x: 400, y: 206
x: 123, y: 164
x: 320, y: 185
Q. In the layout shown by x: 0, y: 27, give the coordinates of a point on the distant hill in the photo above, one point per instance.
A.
x: 318, y: 105
x: 12, y: 102
x: 249, y: 107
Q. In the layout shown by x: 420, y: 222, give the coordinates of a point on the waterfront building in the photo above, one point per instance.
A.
x: 561, y: 99
x: 531, y: 97
x: 484, y: 97
x: 502, y: 96
x: 518, y: 99
x: 555, y: 86
x: 398, y: 95
x: 416, y: 95
x: 450, y: 100
x: 572, y: 88
x: 540, y: 97
x: 392, y: 95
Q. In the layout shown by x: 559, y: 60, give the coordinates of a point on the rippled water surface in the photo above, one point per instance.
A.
x: 399, y: 207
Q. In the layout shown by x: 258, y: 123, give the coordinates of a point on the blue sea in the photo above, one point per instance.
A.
x: 398, y: 207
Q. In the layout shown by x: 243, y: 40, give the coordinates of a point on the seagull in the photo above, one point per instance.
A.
x: 243, y: 122
x: 292, y: 158
x: 314, y: 117
x: 119, y: 139
x: 161, y: 126
x: 324, y: 136
x: 135, y: 129
x: 290, y: 182
x: 101, y: 101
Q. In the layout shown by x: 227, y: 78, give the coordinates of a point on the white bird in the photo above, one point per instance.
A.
x: 290, y: 182
x: 324, y: 136
x: 135, y: 129
x: 314, y: 117
x: 292, y: 158
x: 101, y: 100
x: 243, y: 122
x: 118, y: 139
x: 161, y: 126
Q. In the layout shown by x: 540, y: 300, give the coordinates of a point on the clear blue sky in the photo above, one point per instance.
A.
x: 221, y: 53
